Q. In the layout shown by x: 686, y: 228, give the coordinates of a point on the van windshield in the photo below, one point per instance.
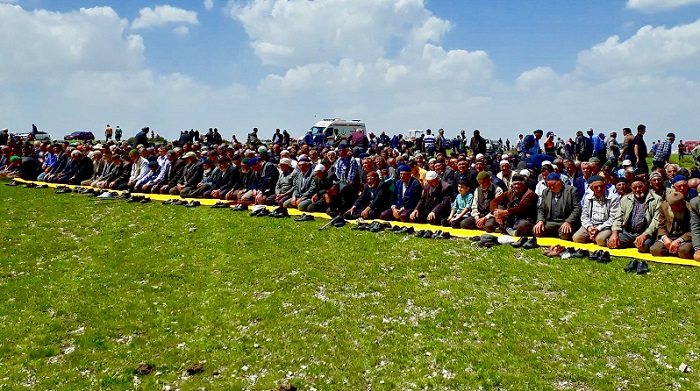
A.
x: 317, y: 129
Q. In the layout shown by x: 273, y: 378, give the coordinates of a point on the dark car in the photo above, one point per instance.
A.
x: 80, y: 135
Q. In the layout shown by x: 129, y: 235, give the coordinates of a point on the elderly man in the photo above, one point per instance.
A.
x: 228, y: 177
x: 192, y: 174
x: 139, y: 169
x: 480, y: 214
x: 514, y: 211
x: 174, y: 172
x: 407, y: 193
x: 304, y: 187
x: 152, y: 179
x: 262, y: 187
x: 598, y: 213
x: 434, y: 204
x: 506, y: 173
x: 374, y: 199
x: 559, y: 211
x: 288, y: 178
x: 675, y: 236
x: 637, y: 219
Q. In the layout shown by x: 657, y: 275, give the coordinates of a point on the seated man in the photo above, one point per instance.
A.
x: 514, y: 211
x: 305, y: 187
x: 228, y: 177
x: 262, y: 186
x: 599, y: 208
x: 288, y: 178
x: 695, y: 226
x: 485, y: 192
x: 78, y: 169
x: 139, y: 168
x: 559, y: 211
x: 324, y: 182
x: 675, y: 237
x: 434, y: 204
x: 374, y: 199
x: 637, y: 219
x: 405, y: 197
x: 176, y: 168
x: 155, y: 175
x: 192, y: 174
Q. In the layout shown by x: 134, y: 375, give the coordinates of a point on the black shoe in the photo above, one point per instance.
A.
x: 305, y: 217
x: 45, y: 186
x: 194, y: 204
x: 632, y: 266
x: 530, y: 244
x: 135, y: 199
x: 361, y: 227
x: 168, y: 202
x: 220, y: 205
x: 396, y: 228
x: 406, y: 230
x: 580, y: 253
x: 280, y: 212
x: 145, y: 200
x: 240, y: 207
x: 420, y: 233
x: 604, y: 257
x: 437, y: 235
x: 595, y: 255
x: 475, y: 238
x: 446, y: 235
x: 31, y: 185
x: 520, y: 242
x: 179, y: 202
x: 126, y: 195
x: 642, y: 268
x: 338, y: 222
x: 428, y: 234
x: 376, y: 227
x: 487, y: 244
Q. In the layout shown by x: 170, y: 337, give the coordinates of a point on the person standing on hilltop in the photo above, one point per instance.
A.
x: 118, y: 134
x: 640, y: 148
x: 477, y: 144
x: 108, y: 133
x: 141, y: 137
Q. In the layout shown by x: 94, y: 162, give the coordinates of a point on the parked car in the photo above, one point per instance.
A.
x: 80, y: 135
x: 493, y: 147
x: 37, y: 136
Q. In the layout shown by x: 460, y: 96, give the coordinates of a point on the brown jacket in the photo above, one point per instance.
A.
x: 666, y: 221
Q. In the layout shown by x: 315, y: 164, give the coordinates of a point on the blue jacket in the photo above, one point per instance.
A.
x: 410, y: 198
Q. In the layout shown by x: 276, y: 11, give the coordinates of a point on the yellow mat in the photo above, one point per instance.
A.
x: 461, y: 233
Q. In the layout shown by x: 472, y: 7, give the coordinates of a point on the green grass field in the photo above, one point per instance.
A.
x: 89, y: 289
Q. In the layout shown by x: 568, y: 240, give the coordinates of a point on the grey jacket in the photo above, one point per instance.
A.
x: 651, y: 212
x: 695, y: 222
x: 569, y: 204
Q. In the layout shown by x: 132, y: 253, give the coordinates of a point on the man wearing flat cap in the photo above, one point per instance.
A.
x: 637, y: 219
x: 674, y: 234
x: 192, y: 174
x: 559, y: 211
x: 480, y: 214
x: 516, y: 210
x: 407, y: 193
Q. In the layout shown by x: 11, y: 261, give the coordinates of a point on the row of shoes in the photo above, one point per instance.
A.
x: 375, y: 226
x: 261, y: 210
x: 305, y: 217
x: 63, y: 190
x: 637, y: 266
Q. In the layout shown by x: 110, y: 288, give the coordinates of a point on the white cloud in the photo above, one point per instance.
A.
x: 650, y: 50
x: 181, y: 30
x: 208, y: 4
x: 163, y: 14
x: 44, y: 45
x: 659, y: 5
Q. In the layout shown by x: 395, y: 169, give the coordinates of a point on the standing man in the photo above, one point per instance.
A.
x: 108, y: 133
x: 640, y: 148
x: 118, y: 134
x: 663, y: 151
x: 429, y: 143
x: 477, y: 144
x: 141, y: 138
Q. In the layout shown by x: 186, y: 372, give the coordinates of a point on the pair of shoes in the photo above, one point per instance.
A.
x: 424, y: 233
x: 378, y: 227
x: 145, y: 200
x: 361, y: 226
x: 280, y: 212
x: 519, y: 243
x: 566, y: 254
x: 580, y: 253
x: 169, y: 202
x: 12, y: 183
x: 554, y: 251
x: 107, y: 196
x: 403, y: 230
x: 29, y: 185
x: 600, y: 256
x: 220, y: 205
x: 45, y: 186
x: 475, y: 238
x: 240, y: 207
x: 125, y: 195
x: 338, y: 222
x: 259, y: 211
x: 531, y: 244
x: 134, y: 198
x: 305, y: 217
x: 179, y: 202
x: 639, y: 267
x: 192, y: 204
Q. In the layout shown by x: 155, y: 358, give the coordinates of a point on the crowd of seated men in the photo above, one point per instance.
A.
x: 611, y: 202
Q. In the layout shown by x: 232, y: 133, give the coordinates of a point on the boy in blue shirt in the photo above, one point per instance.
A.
x: 461, y: 206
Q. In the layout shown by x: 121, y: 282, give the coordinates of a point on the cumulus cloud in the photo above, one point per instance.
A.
x: 44, y: 45
x: 651, y: 50
x: 181, y: 30
x: 163, y: 14
x: 659, y: 5
x: 208, y: 4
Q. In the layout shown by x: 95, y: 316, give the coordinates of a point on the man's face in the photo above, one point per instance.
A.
x: 681, y: 187
x: 518, y: 187
x: 570, y: 169
x: 656, y: 182
x: 343, y: 153
x: 372, y: 179
x: 367, y: 165
x: 505, y: 168
x: 623, y: 188
x: 405, y: 176
x: 639, y: 189
x: 598, y: 188
x: 162, y: 151
x: 671, y: 171
x: 433, y: 182
x: 223, y: 166
x: 595, y: 167
x: 484, y: 183
x: 304, y: 167
x: 462, y: 166
x: 479, y: 166
x: 586, y: 170
x: 440, y: 167
x: 555, y: 185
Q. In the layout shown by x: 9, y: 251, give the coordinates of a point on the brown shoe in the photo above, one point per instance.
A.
x: 557, y: 250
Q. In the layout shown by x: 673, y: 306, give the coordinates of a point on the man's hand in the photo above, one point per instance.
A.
x: 673, y: 247
x: 414, y: 215
x: 215, y: 193
x: 538, y: 228
x: 565, y: 228
x: 639, y: 242
x: 365, y: 213
x: 696, y: 256
x: 592, y: 233
x: 480, y: 222
x: 259, y: 199
x: 351, y: 210
x: 614, y: 240
x: 431, y: 217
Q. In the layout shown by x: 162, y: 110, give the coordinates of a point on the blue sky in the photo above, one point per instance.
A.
x: 505, y: 67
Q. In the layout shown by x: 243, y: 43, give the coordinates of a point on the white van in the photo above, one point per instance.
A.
x: 327, y: 126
